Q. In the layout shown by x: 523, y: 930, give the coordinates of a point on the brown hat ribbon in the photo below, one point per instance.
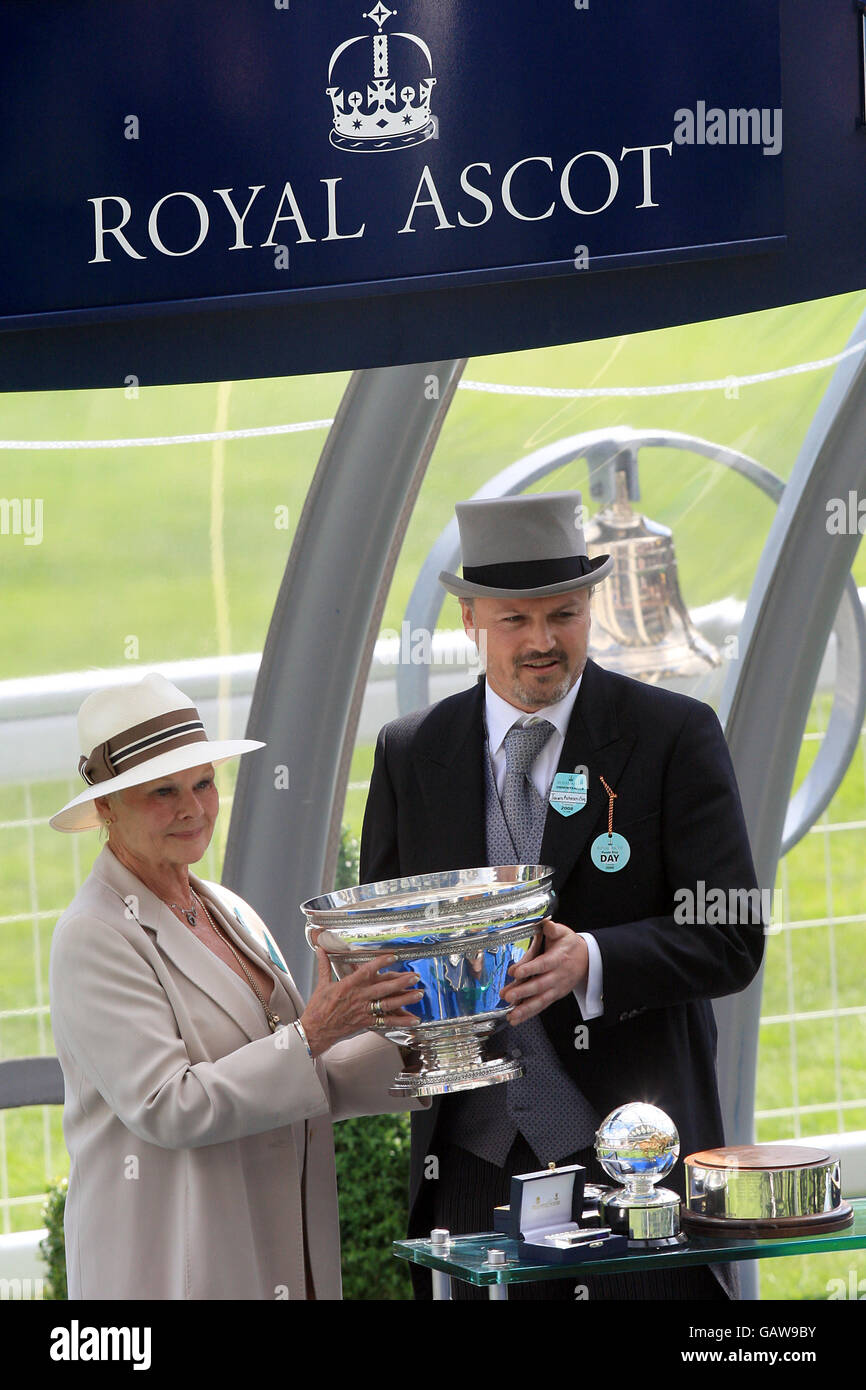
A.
x: 141, y: 743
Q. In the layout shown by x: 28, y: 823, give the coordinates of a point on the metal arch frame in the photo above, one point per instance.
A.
x: 283, y: 841
x: 284, y: 833
x: 772, y: 620
x: 344, y: 552
x: 601, y: 448
x: 786, y: 617
x: 800, y: 579
x: 799, y: 582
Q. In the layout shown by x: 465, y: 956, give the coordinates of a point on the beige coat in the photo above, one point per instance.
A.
x: 200, y: 1143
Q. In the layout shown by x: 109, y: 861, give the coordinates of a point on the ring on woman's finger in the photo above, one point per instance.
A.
x: 376, y: 1008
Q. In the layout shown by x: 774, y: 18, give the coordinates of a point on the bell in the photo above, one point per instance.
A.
x: 640, y: 625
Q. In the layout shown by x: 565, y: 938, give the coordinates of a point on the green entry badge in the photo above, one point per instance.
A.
x: 610, y: 853
x: 568, y: 793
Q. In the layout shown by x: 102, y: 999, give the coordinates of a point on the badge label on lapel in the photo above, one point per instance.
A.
x: 275, y: 954
x: 568, y: 793
x: 610, y: 853
x: 273, y: 951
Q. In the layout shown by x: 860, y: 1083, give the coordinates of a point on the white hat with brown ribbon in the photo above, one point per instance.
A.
x: 131, y: 734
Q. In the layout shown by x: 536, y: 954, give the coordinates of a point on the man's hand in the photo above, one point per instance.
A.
x: 541, y: 978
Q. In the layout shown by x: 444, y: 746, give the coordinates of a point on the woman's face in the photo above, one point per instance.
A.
x: 169, y: 820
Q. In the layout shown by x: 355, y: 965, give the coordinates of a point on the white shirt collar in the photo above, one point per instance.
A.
x: 501, y: 716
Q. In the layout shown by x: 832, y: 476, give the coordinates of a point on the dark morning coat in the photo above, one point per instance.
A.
x: 677, y: 804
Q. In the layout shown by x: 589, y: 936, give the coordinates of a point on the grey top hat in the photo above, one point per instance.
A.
x: 523, y: 547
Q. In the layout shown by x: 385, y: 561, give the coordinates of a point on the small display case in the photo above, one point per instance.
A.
x: 546, y: 1215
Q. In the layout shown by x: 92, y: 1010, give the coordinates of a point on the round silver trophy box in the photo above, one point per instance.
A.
x: 460, y: 931
x: 764, y: 1190
x: 637, y: 1145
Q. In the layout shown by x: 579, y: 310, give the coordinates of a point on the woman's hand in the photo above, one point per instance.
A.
x: 339, y: 1008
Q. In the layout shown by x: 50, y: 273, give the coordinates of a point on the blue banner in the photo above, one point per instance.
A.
x: 164, y: 153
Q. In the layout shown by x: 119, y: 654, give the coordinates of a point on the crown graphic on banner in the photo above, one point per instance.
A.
x: 382, y: 84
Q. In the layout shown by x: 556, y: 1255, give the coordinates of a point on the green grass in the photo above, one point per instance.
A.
x: 126, y: 551
x: 128, y: 554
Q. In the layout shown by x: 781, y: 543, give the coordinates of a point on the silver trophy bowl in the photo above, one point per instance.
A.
x: 460, y: 931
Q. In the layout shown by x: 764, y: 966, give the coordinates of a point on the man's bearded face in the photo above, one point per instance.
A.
x: 534, y: 648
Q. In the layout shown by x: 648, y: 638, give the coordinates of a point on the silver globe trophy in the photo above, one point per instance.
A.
x: 638, y: 1145
x: 460, y: 931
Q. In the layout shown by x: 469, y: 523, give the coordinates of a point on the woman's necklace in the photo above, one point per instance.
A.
x: 191, y: 915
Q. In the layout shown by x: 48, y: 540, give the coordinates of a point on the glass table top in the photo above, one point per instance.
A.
x: 466, y: 1257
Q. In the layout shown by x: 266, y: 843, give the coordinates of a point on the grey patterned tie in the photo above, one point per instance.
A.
x: 545, y: 1105
x: 523, y: 807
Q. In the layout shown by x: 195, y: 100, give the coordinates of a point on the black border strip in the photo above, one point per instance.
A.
x: 451, y: 279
